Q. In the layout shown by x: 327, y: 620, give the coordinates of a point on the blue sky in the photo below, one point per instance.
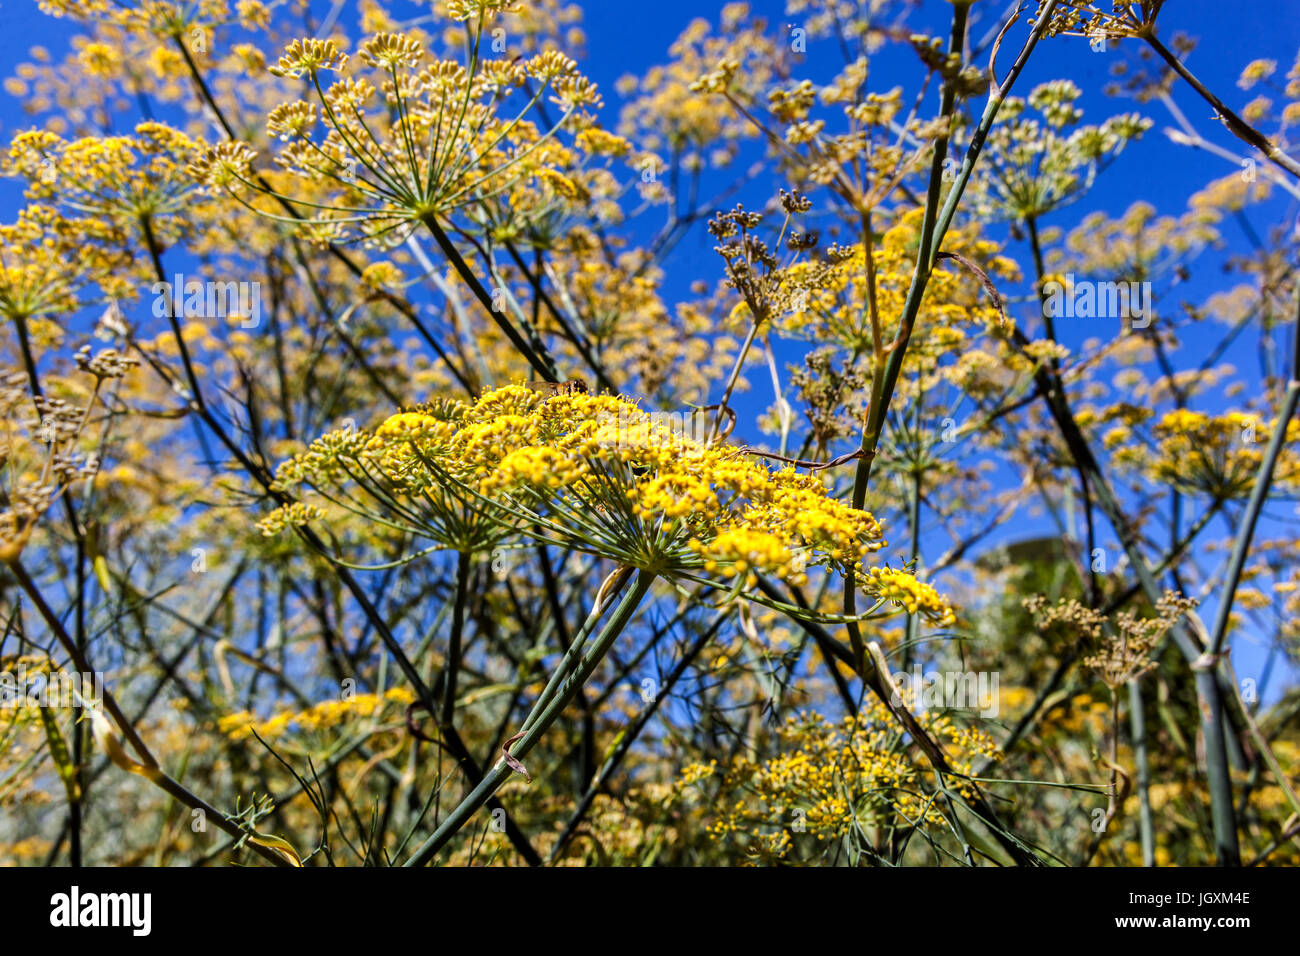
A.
x: 628, y: 37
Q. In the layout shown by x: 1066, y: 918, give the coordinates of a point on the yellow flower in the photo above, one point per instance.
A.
x: 307, y: 56
x: 597, y: 473
x: 904, y: 590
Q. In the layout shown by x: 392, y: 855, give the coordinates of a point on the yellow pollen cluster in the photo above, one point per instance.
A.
x: 904, y: 590
x: 1220, y: 455
x: 828, y: 779
x: 327, y: 713
x: 744, y: 550
x: 535, y: 465
x: 598, y: 473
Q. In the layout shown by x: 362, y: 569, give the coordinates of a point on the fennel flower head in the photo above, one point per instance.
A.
x: 394, y: 137
x: 598, y: 474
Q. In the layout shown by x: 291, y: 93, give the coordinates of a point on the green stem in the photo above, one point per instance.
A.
x: 563, y: 693
x: 884, y: 375
x: 933, y: 230
x: 1258, y: 495
x: 573, y: 651
x: 1227, y: 851
x: 1138, y: 730
x: 733, y: 379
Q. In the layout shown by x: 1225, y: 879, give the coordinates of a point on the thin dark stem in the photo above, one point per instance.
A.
x: 1239, y: 127
x: 150, y: 767
x: 540, y: 363
x: 628, y: 738
x: 454, y: 642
